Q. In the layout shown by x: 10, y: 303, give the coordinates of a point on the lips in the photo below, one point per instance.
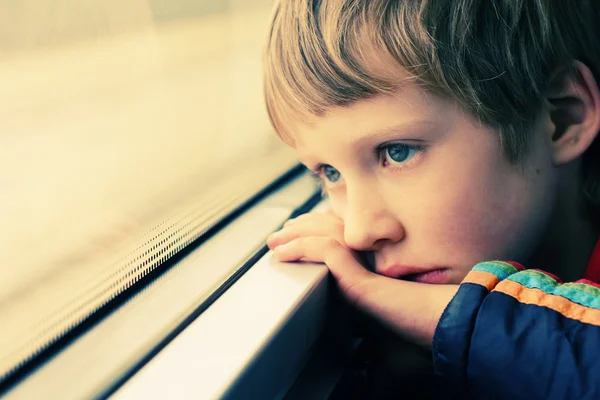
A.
x: 417, y: 274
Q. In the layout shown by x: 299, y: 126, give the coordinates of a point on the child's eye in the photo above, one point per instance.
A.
x: 398, y: 153
x: 332, y: 174
x: 327, y: 176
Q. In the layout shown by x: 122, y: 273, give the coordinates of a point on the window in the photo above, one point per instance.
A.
x: 130, y: 128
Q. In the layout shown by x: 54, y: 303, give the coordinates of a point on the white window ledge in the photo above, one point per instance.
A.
x: 251, y: 343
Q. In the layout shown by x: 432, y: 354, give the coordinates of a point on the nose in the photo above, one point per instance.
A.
x: 368, y: 223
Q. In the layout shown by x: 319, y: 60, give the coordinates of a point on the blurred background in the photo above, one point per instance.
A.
x: 114, y: 114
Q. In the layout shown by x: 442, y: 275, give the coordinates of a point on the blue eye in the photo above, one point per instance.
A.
x: 397, y: 153
x: 331, y: 173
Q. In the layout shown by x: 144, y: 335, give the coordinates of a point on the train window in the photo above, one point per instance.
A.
x: 130, y: 130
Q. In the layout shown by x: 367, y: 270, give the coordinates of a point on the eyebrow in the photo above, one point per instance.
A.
x: 404, y: 128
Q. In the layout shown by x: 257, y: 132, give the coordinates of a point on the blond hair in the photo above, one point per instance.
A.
x: 493, y: 57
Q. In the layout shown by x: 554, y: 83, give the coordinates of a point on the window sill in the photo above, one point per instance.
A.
x: 219, y: 352
x: 251, y: 343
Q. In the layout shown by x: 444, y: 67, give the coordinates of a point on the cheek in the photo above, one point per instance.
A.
x: 474, y: 226
x: 487, y: 215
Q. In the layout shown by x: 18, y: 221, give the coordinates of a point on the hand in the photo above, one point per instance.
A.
x: 319, y: 237
x: 412, y: 309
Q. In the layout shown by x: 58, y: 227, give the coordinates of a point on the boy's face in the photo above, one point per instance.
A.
x: 425, y: 187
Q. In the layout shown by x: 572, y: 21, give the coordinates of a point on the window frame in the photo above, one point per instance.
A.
x: 304, y: 306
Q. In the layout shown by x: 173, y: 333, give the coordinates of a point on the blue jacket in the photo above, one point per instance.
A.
x: 511, y: 333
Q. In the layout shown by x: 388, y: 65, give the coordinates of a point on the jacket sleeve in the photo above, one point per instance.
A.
x: 511, y: 333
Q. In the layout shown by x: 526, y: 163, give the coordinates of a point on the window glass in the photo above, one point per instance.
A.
x: 128, y: 127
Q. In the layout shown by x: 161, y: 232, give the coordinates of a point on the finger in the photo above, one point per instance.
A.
x: 331, y: 224
x: 339, y: 259
x: 322, y: 227
x: 289, y: 222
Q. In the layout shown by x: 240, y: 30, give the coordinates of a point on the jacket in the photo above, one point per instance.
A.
x: 512, y: 333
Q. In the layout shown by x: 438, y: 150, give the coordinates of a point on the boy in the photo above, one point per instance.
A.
x: 448, y: 134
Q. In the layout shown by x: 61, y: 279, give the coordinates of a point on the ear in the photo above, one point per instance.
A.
x: 574, y: 111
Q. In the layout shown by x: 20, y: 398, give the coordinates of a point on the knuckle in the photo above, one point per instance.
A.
x: 314, y: 224
x: 303, y: 217
x: 330, y: 243
x: 294, y: 221
x: 302, y: 241
x: 333, y: 249
x: 289, y: 222
x: 288, y: 233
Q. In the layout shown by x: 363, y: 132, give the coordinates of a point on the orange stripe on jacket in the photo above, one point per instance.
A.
x: 482, y: 278
x: 538, y: 297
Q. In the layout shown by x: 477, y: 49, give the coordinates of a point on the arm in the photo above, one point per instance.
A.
x: 524, y: 336
x: 503, y: 333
